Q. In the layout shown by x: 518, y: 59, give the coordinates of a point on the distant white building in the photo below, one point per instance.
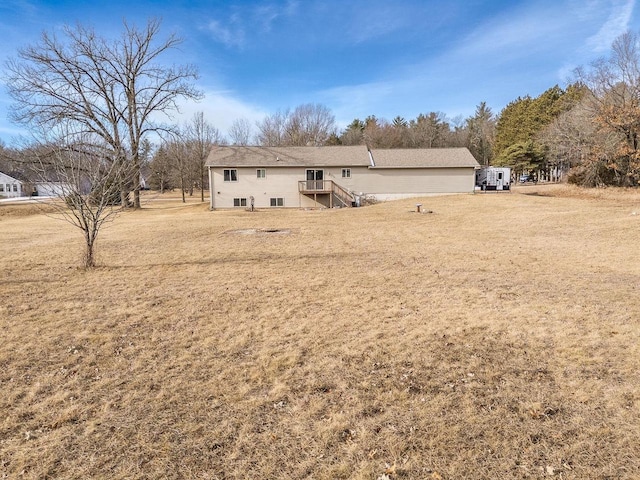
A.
x: 50, y: 189
x: 11, y: 187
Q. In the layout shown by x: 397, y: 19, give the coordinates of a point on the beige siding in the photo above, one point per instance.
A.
x: 417, y: 181
x: 282, y: 182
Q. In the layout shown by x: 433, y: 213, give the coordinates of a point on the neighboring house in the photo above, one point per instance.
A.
x: 13, y: 185
x: 51, y: 189
x: 333, y: 176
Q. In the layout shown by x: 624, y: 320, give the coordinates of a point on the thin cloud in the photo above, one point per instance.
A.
x: 516, y: 33
x: 234, y: 32
x: 617, y: 23
x: 267, y: 15
x: 225, y: 35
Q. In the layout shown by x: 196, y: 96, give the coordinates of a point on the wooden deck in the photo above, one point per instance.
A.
x: 326, y: 187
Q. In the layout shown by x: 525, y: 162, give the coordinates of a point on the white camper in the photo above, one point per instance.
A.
x: 493, y: 178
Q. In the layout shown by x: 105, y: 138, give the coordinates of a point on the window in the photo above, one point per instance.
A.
x: 277, y: 202
x: 346, y: 173
x: 230, y: 175
x: 15, y: 187
x: 239, y: 202
x: 261, y: 173
x: 1, y: 187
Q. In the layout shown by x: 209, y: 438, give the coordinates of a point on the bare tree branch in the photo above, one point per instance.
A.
x: 110, y: 90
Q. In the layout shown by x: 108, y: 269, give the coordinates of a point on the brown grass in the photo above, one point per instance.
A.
x: 496, y: 337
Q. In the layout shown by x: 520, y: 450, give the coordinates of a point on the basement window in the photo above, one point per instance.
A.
x: 230, y: 175
x: 277, y: 202
x: 346, y: 173
x: 239, y: 202
x: 261, y: 173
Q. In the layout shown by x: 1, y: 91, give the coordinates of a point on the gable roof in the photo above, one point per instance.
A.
x: 340, y: 156
x: 14, y: 176
x: 288, y: 156
x: 423, y: 158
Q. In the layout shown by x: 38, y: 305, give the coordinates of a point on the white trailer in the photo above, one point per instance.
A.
x: 493, y: 178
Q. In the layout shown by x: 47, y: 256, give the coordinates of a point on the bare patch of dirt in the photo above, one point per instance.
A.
x: 260, y: 231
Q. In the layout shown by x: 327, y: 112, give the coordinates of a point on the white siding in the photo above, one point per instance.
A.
x: 52, y: 189
x: 9, y: 184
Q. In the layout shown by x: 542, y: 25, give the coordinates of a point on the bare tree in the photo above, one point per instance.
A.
x: 429, y: 131
x: 575, y: 141
x: 177, y: 153
x: 162, y: 169
x: 200, y: 136
x: 271, y: 129
x: 112, y: 90
x: 614, y: 83
x: 240, y: 132
x: 309, y: 124
x: 84, y: 183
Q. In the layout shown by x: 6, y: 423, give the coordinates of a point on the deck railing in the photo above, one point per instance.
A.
x: 326, y: 187
x: 315, y: 186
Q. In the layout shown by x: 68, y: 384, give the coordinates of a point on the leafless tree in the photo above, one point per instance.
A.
x: 84, y: 184
x: 240, y: 132
x: 429, y: 131
x: 614, y: 84
x: 162, y: 170
x: 112, y: 90
x: 309, y: 124
x: 177, y: 152
x: 575, y: 141
x: 200, y: 136
x: 271, y: 129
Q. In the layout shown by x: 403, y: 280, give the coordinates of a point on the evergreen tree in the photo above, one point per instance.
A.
x: 481, y: 134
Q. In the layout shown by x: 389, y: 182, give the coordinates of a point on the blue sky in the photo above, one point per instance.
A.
x: 359, y: 58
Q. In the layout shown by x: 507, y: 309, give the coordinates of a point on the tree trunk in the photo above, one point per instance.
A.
x: 124, y: 198
x: 202, y: 180
x: 89, y: 260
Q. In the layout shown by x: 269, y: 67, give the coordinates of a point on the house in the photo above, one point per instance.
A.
x: 333, y: 176
x: 13, y: 186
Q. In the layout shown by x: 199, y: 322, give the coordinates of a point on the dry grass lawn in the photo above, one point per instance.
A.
x: 495, y: 338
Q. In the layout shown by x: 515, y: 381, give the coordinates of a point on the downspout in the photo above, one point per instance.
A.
x: 211, y: 190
